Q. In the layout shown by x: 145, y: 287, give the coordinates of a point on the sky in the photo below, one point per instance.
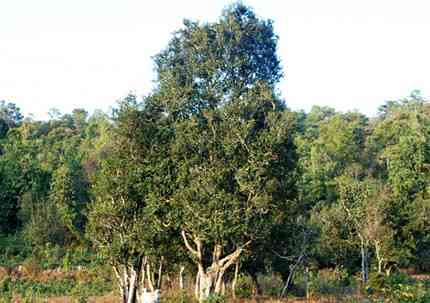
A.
x: 347, y: 54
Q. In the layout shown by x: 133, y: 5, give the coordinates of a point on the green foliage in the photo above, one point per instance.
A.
x: 399, y: 288
x: 10, y: 115
x: 183, y: 297
x: 399, y: 145
x: 245, y: 286
x: 85, y: 275
x: 216, y: 298
x: 331, y: 282
x: 206, y: 65
x: 233, y: 153
x: 64, y: 287
x: 270, y: 284
x: 128, y: 220
x: 13, y: 250
x: 44, y: 183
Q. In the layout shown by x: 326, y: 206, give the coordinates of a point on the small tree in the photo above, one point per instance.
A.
x: 126, y: 220
x: 363, y: 204
x: 378, y: 229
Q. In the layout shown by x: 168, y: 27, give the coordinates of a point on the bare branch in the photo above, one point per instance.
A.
x: 187, y: 244
x: 229, y: 260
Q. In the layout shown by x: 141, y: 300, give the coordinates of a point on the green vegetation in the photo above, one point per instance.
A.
x: 211, y: 188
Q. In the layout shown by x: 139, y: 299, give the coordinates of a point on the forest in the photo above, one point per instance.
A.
x: 211, y: 189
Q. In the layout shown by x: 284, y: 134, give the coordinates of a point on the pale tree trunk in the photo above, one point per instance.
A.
x: 210, y: 280
x: 379, y: 257
x: 131, y: 281
x: 128, y: 278
x: 148, y: 278
x: 205, y: 286
x: 236, y: 274
x: 181, y: 277
x: 364, y: 260
x: 197, y: 287
x: 307, y: 282
x: 293, y: 268
x: 300, y: 259
x: 160, y: 271
x: 364, y: 242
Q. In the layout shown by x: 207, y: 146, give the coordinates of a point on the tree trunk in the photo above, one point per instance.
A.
x: 131, y: 281
x: 284, y: 290
x: 379, y: 257
x: 364, y: 262
x: 307, y: 282
x: 236, y: 274
x: 197, y: 287
x: 128, y: 279
x: 149, y: 277
x: 205, y: 286
x: 181, y: 278
x: 219, y: 281
x: 149, y: 297
x: 160, y: 272
x: 209, y: 281
x: 293, y: 268
x: 132, y: 285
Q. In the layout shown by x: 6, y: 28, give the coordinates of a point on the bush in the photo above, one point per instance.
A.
x: 13, y: 250
x: 399, y: 288
x: 183, y: 297
x: 244, y: 286
x: 6, y: 289
x: 404, y: 293
x: 331, y: 282
x: 64, y: 287
x: 271, y: 285
x: 82, y: 291
x: 381, y: 283
x: 214, y: 298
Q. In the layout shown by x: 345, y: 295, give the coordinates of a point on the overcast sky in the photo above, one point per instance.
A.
x: 348, y: 54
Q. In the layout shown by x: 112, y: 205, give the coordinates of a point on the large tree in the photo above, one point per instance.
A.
x: 233, y: 146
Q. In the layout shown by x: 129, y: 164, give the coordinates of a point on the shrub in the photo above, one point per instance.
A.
x: 65, y: 287
x: 183, y: 297
x: 13, y: 250
x: 330, y: 282
x: 6, y: 290
x: 271, y: 285
x: 244, y: 286
x: 399, y: 288
x: 381, y: 283
x: 404, y: 293
x: 214, y: 298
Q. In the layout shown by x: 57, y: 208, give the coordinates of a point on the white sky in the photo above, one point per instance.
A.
x: 348, y: 54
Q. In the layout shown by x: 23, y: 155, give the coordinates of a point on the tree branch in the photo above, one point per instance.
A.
x: 229, y: 260
x: 187, y: 244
